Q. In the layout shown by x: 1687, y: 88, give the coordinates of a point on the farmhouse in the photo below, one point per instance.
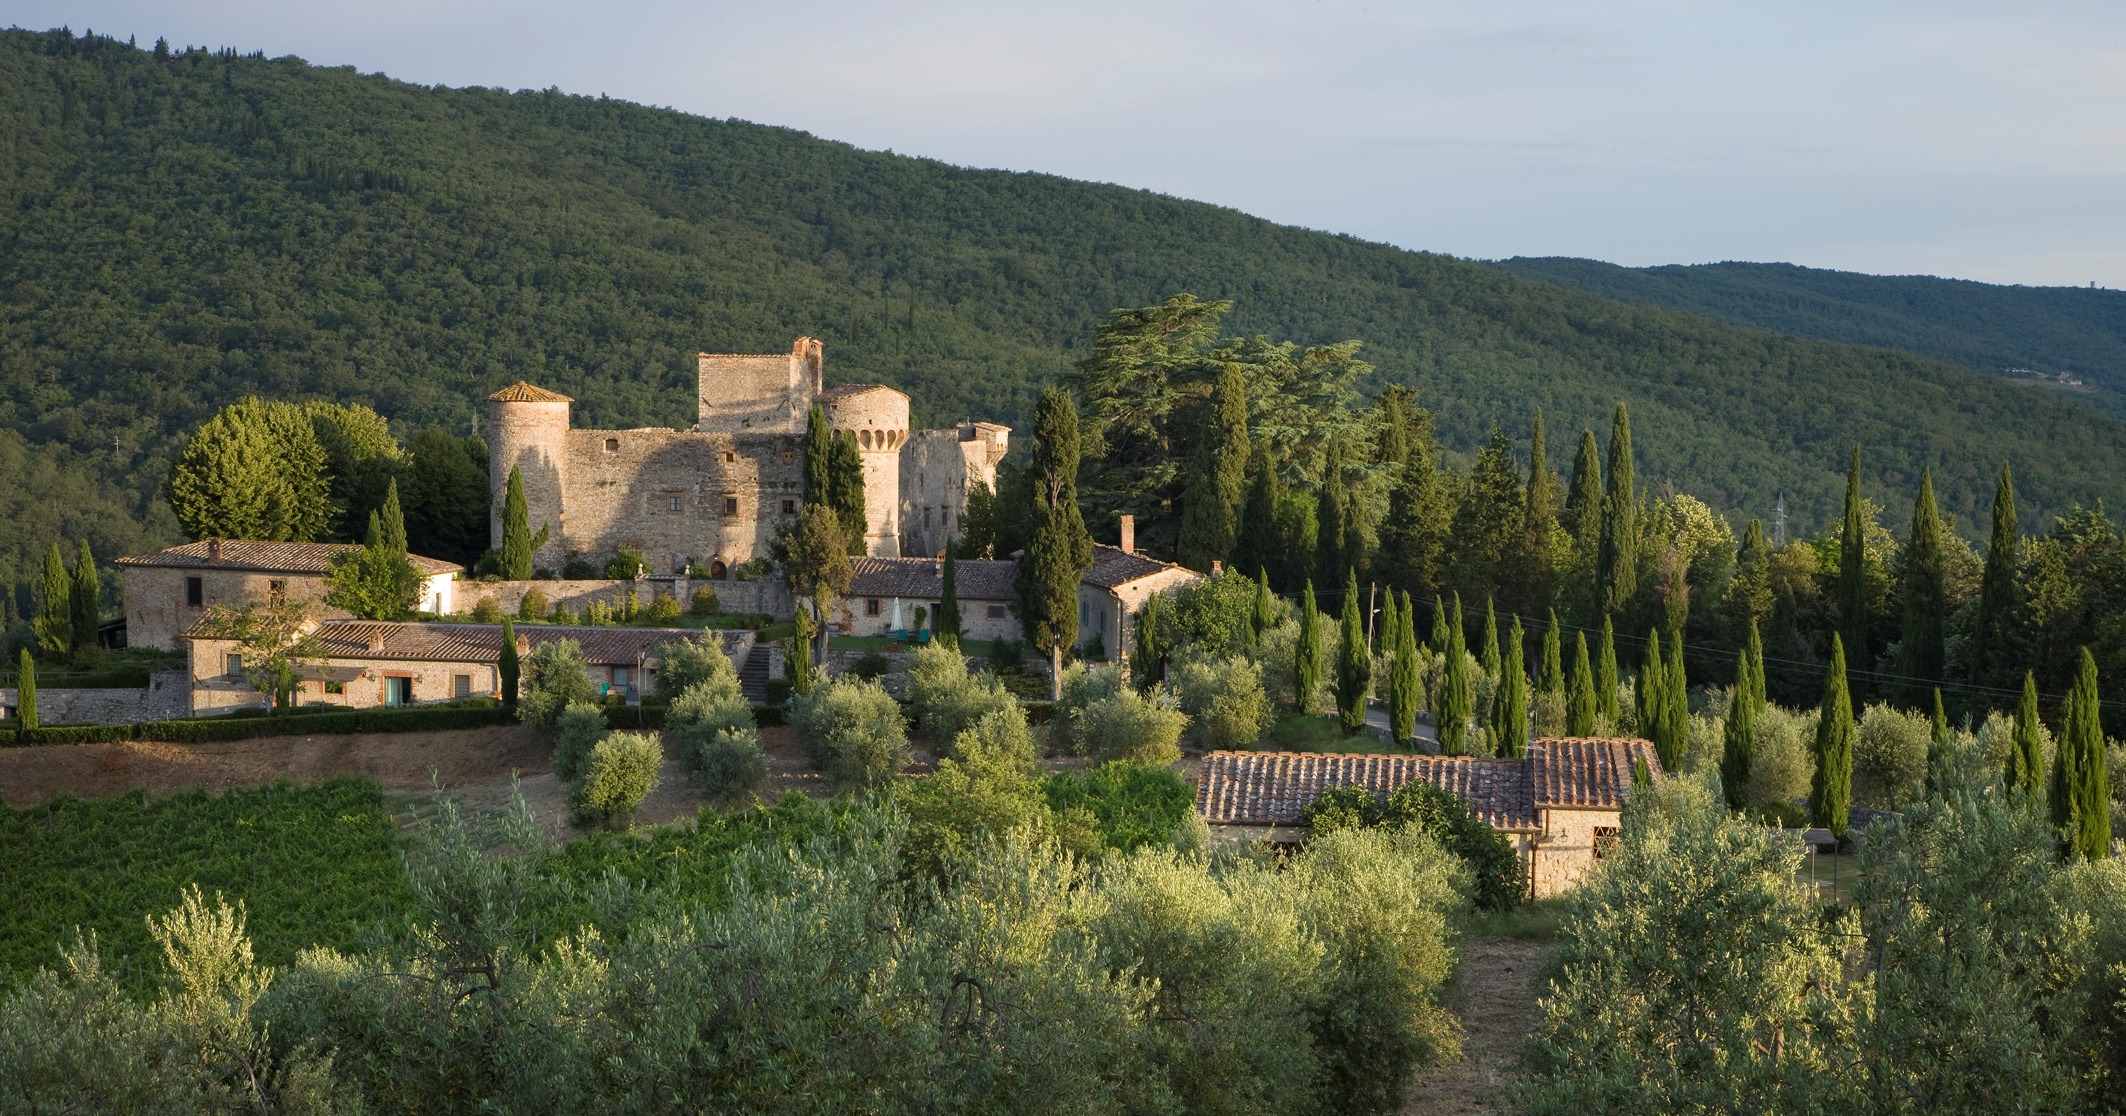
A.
x: 1116, y: 586
x: 167, y: 591
x: 885, y: 592
x: 1559, y: 805
x: 368, y: 663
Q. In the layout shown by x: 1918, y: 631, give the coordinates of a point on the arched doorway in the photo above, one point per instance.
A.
x: 718, y: 571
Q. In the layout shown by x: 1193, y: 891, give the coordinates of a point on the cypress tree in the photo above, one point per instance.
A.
x: 1995, y: 635
x: 1306, y: 658
x: 1330, y: 547
x: 1147, y: 666
x: 1541, y: 507
x: 1259, y: 544
x: 1580, y: 699
x: 819, y: 441
x: 1617, y: 555
x: 394, y: 520
x: 947, y: 623
x: 1852, y: 570
x: 1414, y: 535
x: 1675, y: 701
x: 845, y: 485
x: 54, y: 625
x: 797, y: 663
x: 1606, y: 677
x: 1550, y: 675
x: 1920, y: 654
x: 1403, y: 682
x: 84, y: 596
x: 508, y: 666
x: 2081, y: 785
x: 516, y: 564
x: 1583, y: 500
x: 1354, y: 664
x: 26, y: 691
x: 1739, y: 741
x: 2026, y: 748
x: 1937, y: 748
x: 1749, y: 590
x: 1211, y: 507
x: 1487, y: 648
x: 1061, y: 551
x: 1265, y: 614
x: 1440, y: 637
x: 1457, y: 702
x: 1831, y: 789
x: 1649, y: 697
x: 1509, y: 711
x: 1354, y: 531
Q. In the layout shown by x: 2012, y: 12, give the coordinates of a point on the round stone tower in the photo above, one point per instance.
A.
x: 527, y: 430
x: 878, y: 416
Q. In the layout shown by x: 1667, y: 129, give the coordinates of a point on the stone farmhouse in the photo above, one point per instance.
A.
x: 883, y: 588
x: 1560, y: 805
x: 716, y: 494
x: 370, y: 663
x: 166, y: 592
x: 1116, y: 586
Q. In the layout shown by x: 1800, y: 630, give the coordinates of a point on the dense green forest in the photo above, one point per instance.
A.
x: 2078, y: 332
x: 184, y: 228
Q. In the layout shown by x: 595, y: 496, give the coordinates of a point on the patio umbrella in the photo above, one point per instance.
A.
x: 896, y: 614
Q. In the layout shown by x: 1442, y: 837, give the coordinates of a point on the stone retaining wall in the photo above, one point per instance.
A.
x: 771, y: 597
x: 165, y: 698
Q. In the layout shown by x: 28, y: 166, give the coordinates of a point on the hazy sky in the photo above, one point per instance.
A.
x: 1977, y: 140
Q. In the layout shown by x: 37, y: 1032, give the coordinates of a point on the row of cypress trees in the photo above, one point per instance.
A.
x: 65, y: 626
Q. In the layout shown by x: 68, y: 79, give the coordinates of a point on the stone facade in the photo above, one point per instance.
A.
x: 1116, y: 587
x: 166, y: 592
x: 937, y: 469
x: 164, y: 698
x: 717, y: 494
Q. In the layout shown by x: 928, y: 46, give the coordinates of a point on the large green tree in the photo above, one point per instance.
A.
x: 1617, y: 548
x: 2024, y: 773
x: 1211, y: 507
x: 1306, y: 658
x: 1996, y: 643
x: 1509, y: 709
x: 518, y: 542
x: 1404, y: 686
x: 1413, y: 537
x: 818, y: 449
x: 1744, y: 710
x: 845, y: 489
x: 1582, y: 514
x: 1606, y: 697
x: 1924, y: 588
x: 1457, y: 697
x: 1541, y: 506
x: 1354, y: 663
x: 447, y: 497
x: 947, y: 624
x: 1061, y: 551
x: 54, y: 625
x: 1580, y: 708
x: 2081, y: 783
x: 1490, y: 527
x: 84, y: 604
x: 253, y: 471
x: 1831, y: 788
x: 1333, y: 544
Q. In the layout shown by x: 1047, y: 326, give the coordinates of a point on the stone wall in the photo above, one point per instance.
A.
x: 878, y: 417
x: 680, y: 496
x: 743, y: 393
x: 164, y: 698
x: 532, y: 438
x: 771, y: 597
x: 1567, y: 850
x: 937, y: 469
x: 157, y: 615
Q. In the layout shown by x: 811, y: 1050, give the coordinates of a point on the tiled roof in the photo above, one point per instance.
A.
x: 482, y: 643
x: 266, y: 557
x: 522, y: 392
x: 974, y: 579
x: 1273, y: 788
x: 1113, y: 566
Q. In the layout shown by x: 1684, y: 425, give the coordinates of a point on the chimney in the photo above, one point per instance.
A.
x: 1129, y: 534
x: 376, y: 642
x: 1217, y: 567
x: 214, y: 550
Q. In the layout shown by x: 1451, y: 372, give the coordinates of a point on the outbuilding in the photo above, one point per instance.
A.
x: 881, y: 589
x: 166, y: 592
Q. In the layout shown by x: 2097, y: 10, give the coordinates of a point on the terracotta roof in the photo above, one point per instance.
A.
x: 844, y: 391
x: 266, y: 557
x: 974, y: 579
x: 1113, y: 566
x: 1273, y: 788
x: 482, y: 643
x: 522, y: 392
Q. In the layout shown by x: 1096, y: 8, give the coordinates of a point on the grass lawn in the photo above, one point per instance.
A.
x: 1296, y: 733
x: 1537, y: 920
x: 1834, y: 875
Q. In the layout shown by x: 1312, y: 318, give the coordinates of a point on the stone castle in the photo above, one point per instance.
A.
x: 715, y: 495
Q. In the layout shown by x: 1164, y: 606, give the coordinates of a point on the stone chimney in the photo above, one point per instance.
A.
x: 213, y: 550
x: 1217, y: 567
x: 1129, y: 534
x: 376, y: 642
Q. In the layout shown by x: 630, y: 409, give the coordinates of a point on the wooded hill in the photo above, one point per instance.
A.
x: 179, y: 231
x: 2077, y: 332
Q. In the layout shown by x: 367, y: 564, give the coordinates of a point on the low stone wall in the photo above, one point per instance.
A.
x: 165, y: 698
x: 771, y: 597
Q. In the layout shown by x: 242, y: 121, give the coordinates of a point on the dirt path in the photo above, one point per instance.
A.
x: 1497, y: 1009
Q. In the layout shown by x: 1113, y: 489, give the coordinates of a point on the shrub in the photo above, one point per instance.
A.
x: 1131, y: 806
x: 1224, y: 701
x: 533, y: 605
x: 598, y: 614
x: 1002, y: 732
x: 1213, y: 616
x: 626, y: 564
x: 486, y: 611
x: 1138, y: 728
x: 1007, y: 656
x: 686, y: 664
x: 555, y: 677
x: 665, y: 609
x: 983, y: 791
x: 1782, y: 762
x: 576, y: 731
x: 871, y: 666
x: 853, y: 730
x: 1890, y: 756
x: 622, y: 772
x: 728, y: 764
x: 945, y: 699
x: 579, y: 567
x: 704, y: 602
x: 562, y: 614
x: 1497, y: 880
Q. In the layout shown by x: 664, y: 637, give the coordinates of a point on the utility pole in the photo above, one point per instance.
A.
x: 1779, y: 520
x: 1372, y: 593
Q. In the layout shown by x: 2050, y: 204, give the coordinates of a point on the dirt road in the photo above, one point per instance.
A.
x: 1497, y: 1009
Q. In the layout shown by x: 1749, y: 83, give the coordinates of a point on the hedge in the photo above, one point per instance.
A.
x: 435, y: 719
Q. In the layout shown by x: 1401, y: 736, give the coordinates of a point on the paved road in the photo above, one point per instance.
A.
x: 1377, y: 724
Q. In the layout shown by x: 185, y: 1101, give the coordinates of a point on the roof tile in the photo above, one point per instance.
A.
x: 974, y: 579
x: 524, y: 392
x: 266, y: 557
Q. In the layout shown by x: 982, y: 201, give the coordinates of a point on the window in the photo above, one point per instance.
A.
x: 730, y: 505
x: 623, y: 676
x: 461, y: 685
x: 730, y: 458
x: 1605, y: 839
x: 871, y: 606
x: 333, y: 687
x: 676, y: 503
x: 789, y: 507
x: 612, y: 445
x: 277, y: 590
x: 996, y: 612
x: 234, y: 665
x: 195, y: 592
x: 789, y: 453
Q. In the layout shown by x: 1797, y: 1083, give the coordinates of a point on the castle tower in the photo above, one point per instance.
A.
x: 878, y: 416
x: 528, y: 431
x: 742, y: 393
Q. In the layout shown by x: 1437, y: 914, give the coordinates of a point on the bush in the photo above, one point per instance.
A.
x: 623, y: 770
x: 871, y: 666
x: 945, y: 699
x: 704, y: 602
x: 555, y: 677
x: 686, y: 664
x: 1002, y: 732
x: 982, y: 792
x: 579, y: 567
x: 1783, y: 761
x: 1132, y: 806
x: 728, y: 764
x: 1138, y: 728
x: 1007, y: 656
x: 853, y: 730
x: 665, y: 609
x: 1890, y: 756
x: 1224, y: 701
x: 576, y: 731
x: 486, y: 611
x: 1213, y: 617
x: 1497, y: 879
x: 626, y: 564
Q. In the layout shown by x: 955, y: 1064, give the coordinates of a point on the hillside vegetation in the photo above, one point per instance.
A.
x: 180, y: 231
x: 2073, y: 331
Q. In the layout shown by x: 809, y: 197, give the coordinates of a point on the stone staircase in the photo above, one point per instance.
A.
x: 753, y: 674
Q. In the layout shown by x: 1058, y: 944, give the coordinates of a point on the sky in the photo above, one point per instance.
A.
x: 1974, y: 140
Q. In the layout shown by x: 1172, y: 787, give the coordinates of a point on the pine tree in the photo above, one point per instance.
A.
x: 2081, y: 784
x: 508, y: 667
x: 1403, y: 696
x: 1617, y: 552
x: 1852, y: 570
x: 1606, y: 677
x: 1509, y: 711
x: 1487, y: 647
x: 1550, y: 675
x: 1330, y: 545
x: 1306, y: 658
x: 1580, y: 699
x: 1258, y: 545
x: 1739, y: 741
x: 1354, y: 664
x: 54, y: 626
x: 1649, y: 701
x: 394, y: 520
x: 1831, y: 789
x: 947, y: 624
x: 1675, y: 703
x: 819, y: 449
x: 84, y: 597
x: 26, y: 691
x: 1414, y: 535
x: 1490, y: 526
x: 1211, y: 508
x: 2026, y: 748
x: 1541, y: 506
x: 845, y: 486
x: 1265, y: 613
x: 1583, y: 500
x: 1749, y: 590
x: 1061, y: 550
x: 1994, y: 639
x: 1457, y: 701
x: 516, y: 559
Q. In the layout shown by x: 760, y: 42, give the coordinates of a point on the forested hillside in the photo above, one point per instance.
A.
x: 180, y: 231
x: 2077, y: 332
